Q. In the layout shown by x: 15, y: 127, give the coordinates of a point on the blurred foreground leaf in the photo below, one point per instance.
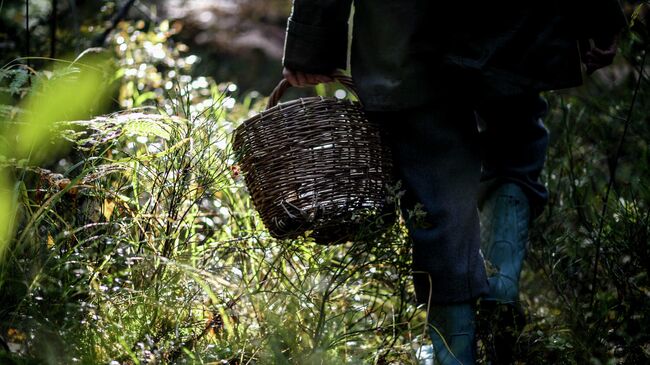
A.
x: 76, y: 91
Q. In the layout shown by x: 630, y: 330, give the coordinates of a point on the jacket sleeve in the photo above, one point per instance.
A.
x: 600, y: 18
x: 317, y: 36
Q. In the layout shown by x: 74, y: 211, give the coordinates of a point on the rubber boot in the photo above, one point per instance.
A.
x: 504, y: 233
x: 452, y: 332
x: 505, y: 219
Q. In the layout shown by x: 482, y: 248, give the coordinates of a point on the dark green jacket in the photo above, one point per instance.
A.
x: 405, y: 53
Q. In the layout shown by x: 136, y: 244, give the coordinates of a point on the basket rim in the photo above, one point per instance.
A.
x: 304, y: 100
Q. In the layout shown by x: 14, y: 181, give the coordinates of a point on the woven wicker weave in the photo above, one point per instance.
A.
x: 314, y: 164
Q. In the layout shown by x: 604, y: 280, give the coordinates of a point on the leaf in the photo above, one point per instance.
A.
x: 107, y: 208
x: 8, y: 208
x: 78, y: 96
x: 146, y: 127
x: 639, y: 22
x: 164, y: 26
x: 149, y: 95
x: 321, y: 90
x: 20, y: 79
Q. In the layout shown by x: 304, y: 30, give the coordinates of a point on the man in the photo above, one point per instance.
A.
x: 425, y: 70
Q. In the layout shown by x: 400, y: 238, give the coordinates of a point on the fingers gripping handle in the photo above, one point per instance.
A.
x: 279, y: 90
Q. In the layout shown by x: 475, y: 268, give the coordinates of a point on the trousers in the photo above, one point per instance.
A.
x: 446, y: 156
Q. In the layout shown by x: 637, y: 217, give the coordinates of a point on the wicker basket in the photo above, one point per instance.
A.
x: 315, y: 164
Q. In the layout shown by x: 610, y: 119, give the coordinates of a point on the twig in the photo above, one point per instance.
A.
x: 53, y: 26
x: 612, y: 179
x: 118, y: 17
x: 152, y: 17
x: 74, y: 17
x: 27, y: 34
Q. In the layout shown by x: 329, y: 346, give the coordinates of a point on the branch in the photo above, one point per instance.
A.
x: 118, y: 17
x: 53, y: 27
x: 612, y: 179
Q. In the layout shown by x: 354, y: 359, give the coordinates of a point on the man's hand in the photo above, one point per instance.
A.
x: 599, y: 55
x: 302, y: 79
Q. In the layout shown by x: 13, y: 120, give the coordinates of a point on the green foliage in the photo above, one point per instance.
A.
x: 165, y: 260
x: 588, y: 280
x: 19, y: 78
x: 26, y: 135
x: 78, y: 25
x: 145, y: 248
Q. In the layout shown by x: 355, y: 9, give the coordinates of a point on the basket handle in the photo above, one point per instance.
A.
x: 279, y: 90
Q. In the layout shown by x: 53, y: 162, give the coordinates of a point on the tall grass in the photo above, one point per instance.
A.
x: 139, y: 245
x: 588, y: 275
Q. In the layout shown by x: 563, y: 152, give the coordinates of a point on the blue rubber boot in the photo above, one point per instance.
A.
x: 504, y: 232
x: 505, y: 220
x: 452, y: 332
